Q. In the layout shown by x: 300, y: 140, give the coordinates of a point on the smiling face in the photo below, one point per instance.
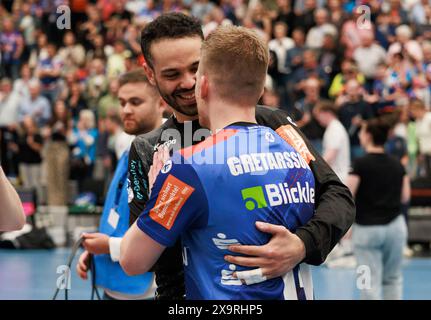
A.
x: 174, y: 66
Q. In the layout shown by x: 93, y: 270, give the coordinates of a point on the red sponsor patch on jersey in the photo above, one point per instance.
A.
x: 172, y: 196
x: 292, y: 137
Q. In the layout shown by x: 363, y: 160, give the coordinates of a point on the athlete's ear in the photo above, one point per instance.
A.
x: 149, y: 72
x: 262, y: 92
x: 204, y: 86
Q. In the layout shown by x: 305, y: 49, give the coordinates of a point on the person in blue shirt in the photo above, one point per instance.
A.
x: 83, y: 141
x: 141, y: 111
x: 263, y: 175
x: 36, y: 105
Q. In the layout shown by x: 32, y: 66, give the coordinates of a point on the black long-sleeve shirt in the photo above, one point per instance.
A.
x: 335, y: 208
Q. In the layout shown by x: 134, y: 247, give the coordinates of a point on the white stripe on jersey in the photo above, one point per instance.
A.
x: 289, y: 287
x: 305, y: 281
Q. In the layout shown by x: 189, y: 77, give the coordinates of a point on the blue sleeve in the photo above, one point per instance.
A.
x: 177, y: 202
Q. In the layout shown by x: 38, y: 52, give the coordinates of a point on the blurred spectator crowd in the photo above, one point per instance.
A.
x: 58, y: 105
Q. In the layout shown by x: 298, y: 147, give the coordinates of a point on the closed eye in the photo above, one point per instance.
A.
x: 171, y: 76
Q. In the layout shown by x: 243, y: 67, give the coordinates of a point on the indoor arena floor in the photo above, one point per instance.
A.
x: 32, y: 275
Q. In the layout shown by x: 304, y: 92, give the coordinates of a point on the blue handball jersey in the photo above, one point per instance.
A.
x: 211, y: 195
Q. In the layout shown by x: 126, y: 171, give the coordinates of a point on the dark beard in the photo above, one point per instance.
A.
x: 190, y: 110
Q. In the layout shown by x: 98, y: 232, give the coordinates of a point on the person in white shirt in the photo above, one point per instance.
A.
x: 336, y: 152
x: 21, y: 85
x: 36, y: 105
x: 280, y: 44
x: 316, y: 34
x: 9, y: 104
x: 422, y: 118
x: 336, y: 144
x: 369, y: 55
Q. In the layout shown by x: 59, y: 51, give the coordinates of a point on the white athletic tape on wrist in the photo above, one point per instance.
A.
x: 251, y: 276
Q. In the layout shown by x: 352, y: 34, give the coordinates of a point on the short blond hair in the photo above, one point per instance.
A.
x: 236, y: 61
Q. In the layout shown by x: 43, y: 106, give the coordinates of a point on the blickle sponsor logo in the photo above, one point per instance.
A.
x: 276, y: 194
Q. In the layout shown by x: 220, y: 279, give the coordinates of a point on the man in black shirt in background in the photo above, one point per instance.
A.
x: 380, y: 186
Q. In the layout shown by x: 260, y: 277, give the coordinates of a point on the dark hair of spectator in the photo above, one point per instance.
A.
x: 326, y: 106
x: 172, y: 26
x: 298, y: 29
x: 378, y: 128
x: 281, y: 23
